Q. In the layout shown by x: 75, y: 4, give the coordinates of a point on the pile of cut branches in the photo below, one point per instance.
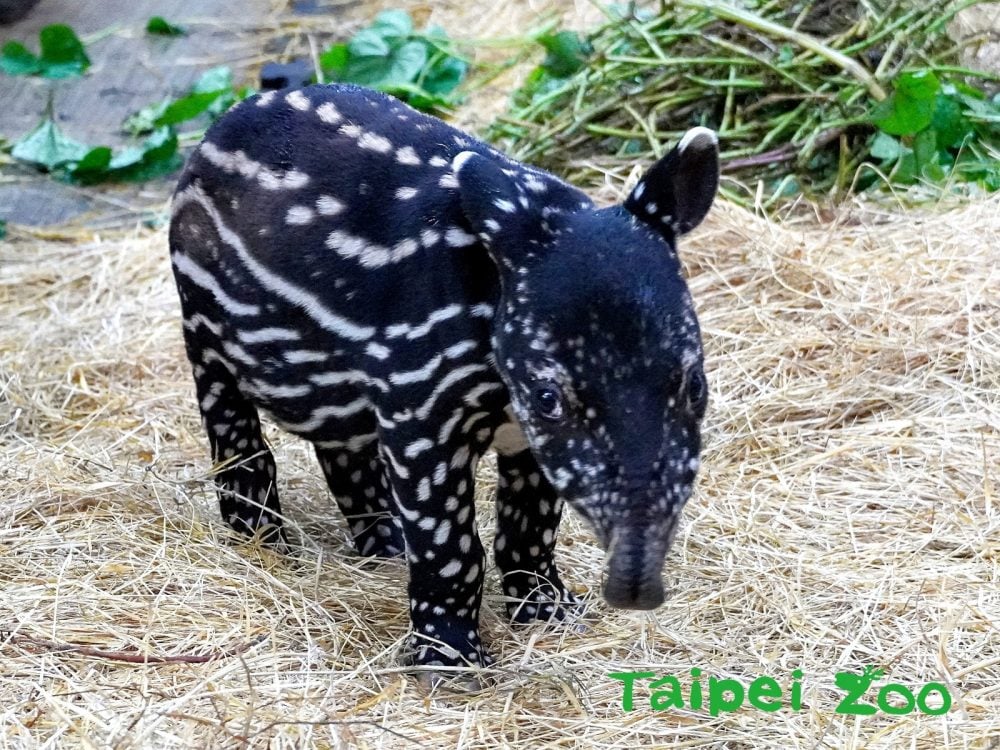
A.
x: 802, y: 95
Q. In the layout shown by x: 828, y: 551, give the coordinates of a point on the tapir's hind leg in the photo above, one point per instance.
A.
x: 357, y: 478
x: 245, y: 475
x: 245, y: 480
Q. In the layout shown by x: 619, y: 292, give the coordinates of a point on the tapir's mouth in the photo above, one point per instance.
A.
x: 634, y: 567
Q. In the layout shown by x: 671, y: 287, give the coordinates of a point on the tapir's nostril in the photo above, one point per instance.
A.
x: 635, y: 561
x: 641, y: 595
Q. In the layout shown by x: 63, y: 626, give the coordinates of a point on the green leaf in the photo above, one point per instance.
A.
x: 950, y: 122
x: 910, y: 109
x: 567, y: 53
x: 62, y: 55
x: 93, y: 166
x: 18, y: 60
x: 46, y: 146
x: 144, y: 121
x: 401, y: 65
x: 334, y: 60
x: 388, y: 55
x: 159, y: 26
x: 885, y: 147
x: 62, y: 52
x: 393, y: 23
x: 368, y: 43
x: 925, y: 152
x: 3, y: 229
x: 444, y: 74
x: 187, y: 108
x: 212, y: 93
x: 406, y: 62
x: 214, y: 79
x: 156, y: 156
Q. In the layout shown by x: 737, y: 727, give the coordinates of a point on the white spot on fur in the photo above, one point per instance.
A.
x: 451, y: 569
x: 329, y: 113
x: 298, y: 100
x: 327, y: 205
x: 406, y: 155
x: 373, y: 142
x: 377, y: 351
x: 299, y: 215
x: 429, y: 237
x: 406, y: 193
x: 458, y: 237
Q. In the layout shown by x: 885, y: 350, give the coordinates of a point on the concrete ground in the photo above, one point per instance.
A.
x: 130, y: 69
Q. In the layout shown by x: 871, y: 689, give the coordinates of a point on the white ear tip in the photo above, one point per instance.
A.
x: 459, y: 161
x: 699, y: 138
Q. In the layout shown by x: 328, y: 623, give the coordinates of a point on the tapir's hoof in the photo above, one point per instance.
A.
x: 454, y: 683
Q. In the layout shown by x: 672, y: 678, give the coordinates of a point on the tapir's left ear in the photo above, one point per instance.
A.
x: 676, y: 193
x: 499, y: 211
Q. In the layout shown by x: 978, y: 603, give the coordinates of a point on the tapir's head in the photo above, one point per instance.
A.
x: 597, y: 340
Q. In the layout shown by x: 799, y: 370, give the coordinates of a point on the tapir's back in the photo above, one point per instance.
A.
x: 339, y: 187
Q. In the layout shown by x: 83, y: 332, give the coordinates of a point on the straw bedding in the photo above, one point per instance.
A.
x: 846, y: 515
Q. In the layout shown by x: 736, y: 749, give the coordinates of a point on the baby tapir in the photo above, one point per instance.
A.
x: 406, y: 297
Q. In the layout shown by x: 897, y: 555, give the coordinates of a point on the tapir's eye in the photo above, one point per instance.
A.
x: 697, y: 391
x: 548, y: 401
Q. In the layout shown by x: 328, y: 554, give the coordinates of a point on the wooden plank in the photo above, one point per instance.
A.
x: 130, y: 70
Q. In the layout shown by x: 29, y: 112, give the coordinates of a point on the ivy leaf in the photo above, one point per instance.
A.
x: 62, y: 55
x: 18, y: 60
x: 156, y: 156
x: 334, y: 60
x: 368, y: 43
x: 444, y: 74
x: 186, y: 108
x: 212, y: 92
x: 910, y: 109
x: 214, y: 79
x: 397, y: 66
x: 393, y: 23
x: 93, y: 165
x: 885, y: 147
x: 159, y: 26
x: 390, y: 56
x: 567, y: 53
x: 48, y: 147
x: 925, y: 151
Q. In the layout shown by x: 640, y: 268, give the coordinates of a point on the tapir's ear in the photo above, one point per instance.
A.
x: 677, y: 191
x: 491, y: 199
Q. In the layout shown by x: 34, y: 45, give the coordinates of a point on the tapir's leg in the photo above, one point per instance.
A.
x: 358, y: 480
x: 528, y: 513
x: 433, y: 485
x: 245, y: 481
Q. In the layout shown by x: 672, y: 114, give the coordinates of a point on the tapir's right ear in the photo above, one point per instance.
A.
x: 676, y: 193
x: 491, y: 200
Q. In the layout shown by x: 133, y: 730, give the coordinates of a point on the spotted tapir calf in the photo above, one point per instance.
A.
x: 406, y: 297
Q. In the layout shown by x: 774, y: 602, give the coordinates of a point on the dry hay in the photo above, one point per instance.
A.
x: 846, y: 515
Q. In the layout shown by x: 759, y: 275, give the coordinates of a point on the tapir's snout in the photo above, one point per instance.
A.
x: 634, y: 566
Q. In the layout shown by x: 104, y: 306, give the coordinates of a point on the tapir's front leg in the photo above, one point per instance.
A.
x: 432, y: 484
x: 528, y: 513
